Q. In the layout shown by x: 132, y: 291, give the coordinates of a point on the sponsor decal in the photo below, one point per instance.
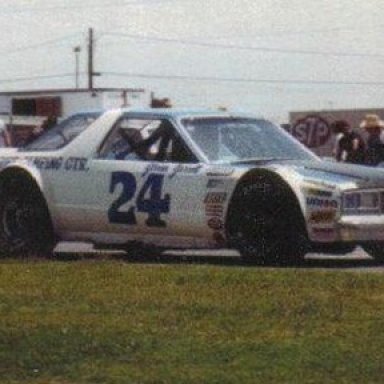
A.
x: 215, y: 223
x: 51, y: 163
x: 155, y: 168
x: 220, y: 171
x: 318, y: 192
x: 185, y: 169
x: 321, y: 203
x: 320, y: 183
x: 170, y: 170
x: 214, y: 209
x: 215, y: 198
x: 213, y: 183
x: 76, y: 164
x: 322, y: 216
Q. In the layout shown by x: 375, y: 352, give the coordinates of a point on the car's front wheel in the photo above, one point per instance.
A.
x: 265, y: 223
x: 25, y: 224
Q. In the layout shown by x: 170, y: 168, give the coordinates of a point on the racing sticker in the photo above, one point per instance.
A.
x: 322, y: 216
x: 322, y: 203
x: 52, y: 163
x: 214, y: 209
x: 215, y: 198
x: 172, y: 171
x: 216, y: 223
x: 214, y: 183
x: 214, y: 212
x: 318, y: 192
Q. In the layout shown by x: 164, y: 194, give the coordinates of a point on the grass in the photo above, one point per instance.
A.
x: 115, y: 322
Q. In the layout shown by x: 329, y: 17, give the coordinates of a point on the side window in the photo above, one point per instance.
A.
x: 148, y: 140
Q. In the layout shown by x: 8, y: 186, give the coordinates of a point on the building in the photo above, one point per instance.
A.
x: 313, y: 128
x: 24, y: 110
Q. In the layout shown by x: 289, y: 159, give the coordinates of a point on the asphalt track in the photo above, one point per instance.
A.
x: 358, y: 260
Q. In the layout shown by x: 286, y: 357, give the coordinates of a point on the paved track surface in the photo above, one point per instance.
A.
x: 355, y: 261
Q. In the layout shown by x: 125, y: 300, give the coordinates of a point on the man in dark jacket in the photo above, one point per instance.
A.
x: 350, y: 147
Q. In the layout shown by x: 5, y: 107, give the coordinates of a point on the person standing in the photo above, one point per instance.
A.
x: 373, y: 125
x: 349, y: 145
x: 5, y: 140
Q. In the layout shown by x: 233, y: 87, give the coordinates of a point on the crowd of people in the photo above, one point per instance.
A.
x: 351, y: 147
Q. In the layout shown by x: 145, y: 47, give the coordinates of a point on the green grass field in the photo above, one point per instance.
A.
x: 108, y: 321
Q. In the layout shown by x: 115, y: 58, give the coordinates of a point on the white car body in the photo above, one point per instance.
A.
x: 113, y: 202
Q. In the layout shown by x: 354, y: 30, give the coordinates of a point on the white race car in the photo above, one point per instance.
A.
x: 181, y: 179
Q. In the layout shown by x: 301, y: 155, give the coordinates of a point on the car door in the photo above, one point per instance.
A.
x: 152, y: 193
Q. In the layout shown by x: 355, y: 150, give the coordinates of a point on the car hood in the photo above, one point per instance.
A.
x: 330, y: 172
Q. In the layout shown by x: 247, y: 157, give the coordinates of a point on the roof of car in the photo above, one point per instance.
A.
x: 179, y: 112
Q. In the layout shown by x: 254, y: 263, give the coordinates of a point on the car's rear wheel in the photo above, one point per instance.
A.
x: 25, y: 224
x: 265, y: 223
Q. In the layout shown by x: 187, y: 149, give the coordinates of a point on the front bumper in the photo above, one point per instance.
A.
x: 361, y: 228
x: 351, y: 229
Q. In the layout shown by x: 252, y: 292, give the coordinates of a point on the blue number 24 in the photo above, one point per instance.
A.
x: 149, y: 199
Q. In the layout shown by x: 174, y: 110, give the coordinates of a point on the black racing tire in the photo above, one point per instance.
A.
x: 375, y: 250
x: 265, y: 223
x: 25, y: 225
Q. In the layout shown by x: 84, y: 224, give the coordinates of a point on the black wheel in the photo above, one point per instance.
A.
x: 375, y: 250
x: 265, y: 223
x: 25, y: 224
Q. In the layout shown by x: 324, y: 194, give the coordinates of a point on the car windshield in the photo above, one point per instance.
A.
x: 63, y: 133
x: 227, y: 139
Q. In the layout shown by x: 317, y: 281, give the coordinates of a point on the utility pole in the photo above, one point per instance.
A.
x: 77, y: 50
x: 90, y: 58
x: 91, y: 72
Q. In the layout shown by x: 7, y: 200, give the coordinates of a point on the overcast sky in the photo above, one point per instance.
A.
x: 265, y: 56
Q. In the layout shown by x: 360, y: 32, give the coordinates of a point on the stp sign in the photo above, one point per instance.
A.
x: 312, y: 131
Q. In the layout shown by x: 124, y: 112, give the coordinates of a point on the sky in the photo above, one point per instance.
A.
x: 268, y: 57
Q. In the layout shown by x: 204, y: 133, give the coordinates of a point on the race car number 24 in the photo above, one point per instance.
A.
x: 149, y: 199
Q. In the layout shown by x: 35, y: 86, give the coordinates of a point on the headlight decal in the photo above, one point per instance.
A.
x: 362, y: 202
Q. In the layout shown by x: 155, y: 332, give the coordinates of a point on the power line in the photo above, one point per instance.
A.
x: 41, y: 44
x: 82, y: 6
x: 37, y: 77
x: 243, y: 47
x: 241, y: 80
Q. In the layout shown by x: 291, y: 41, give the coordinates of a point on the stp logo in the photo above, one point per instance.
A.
x: 312, y: 131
